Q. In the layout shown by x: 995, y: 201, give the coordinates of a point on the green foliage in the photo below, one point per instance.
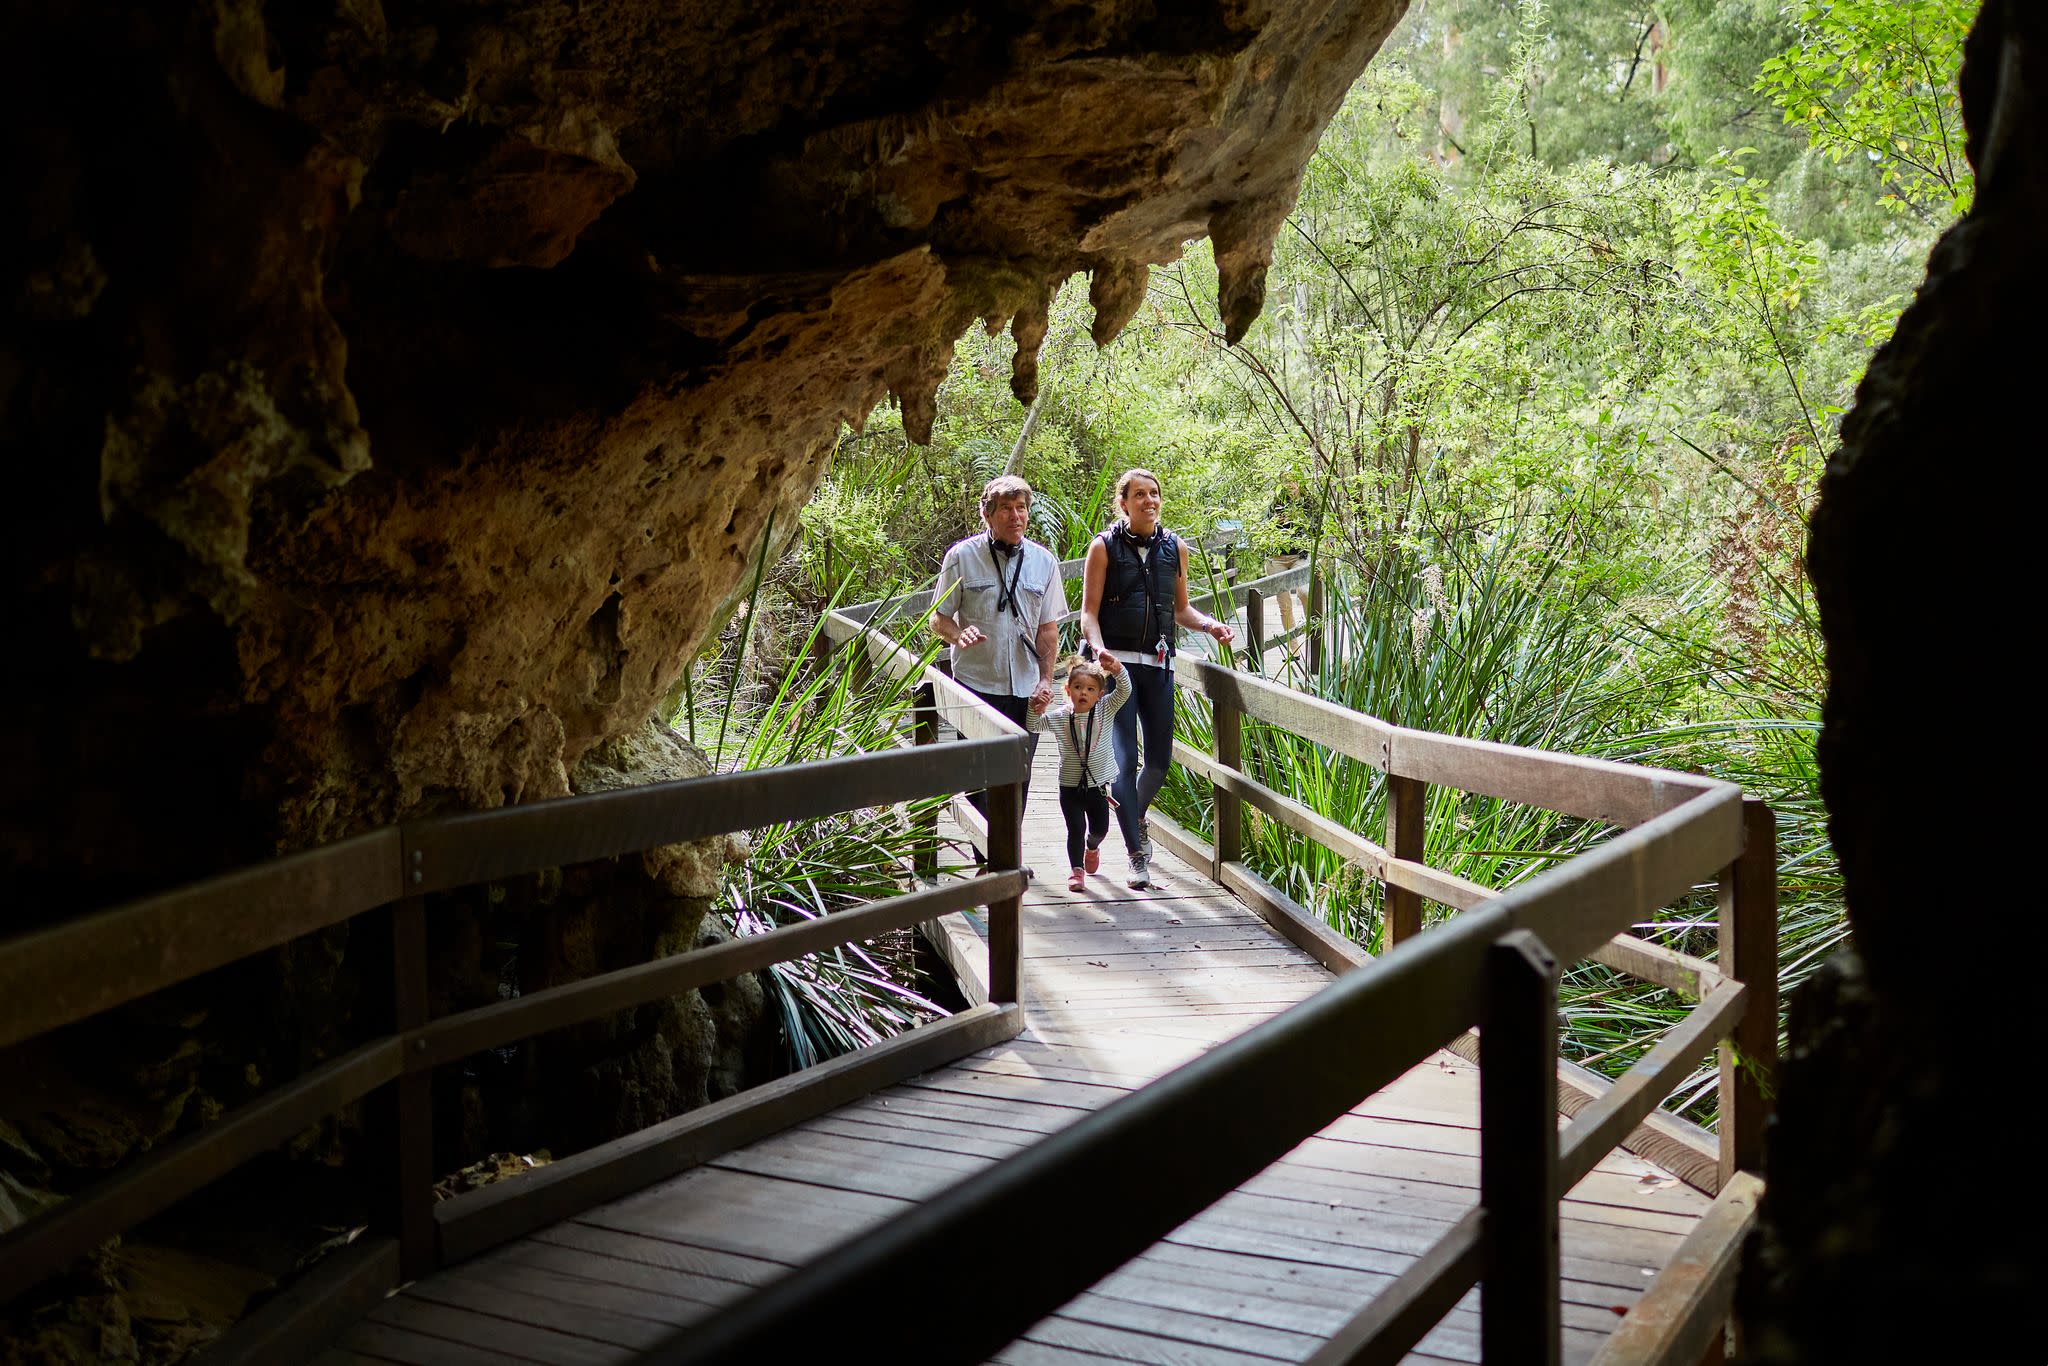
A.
x: 1555, y: 342
x: 841, y: 999
x: 1875, y: 80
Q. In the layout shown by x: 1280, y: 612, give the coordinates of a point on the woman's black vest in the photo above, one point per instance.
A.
x: 1136, y: 612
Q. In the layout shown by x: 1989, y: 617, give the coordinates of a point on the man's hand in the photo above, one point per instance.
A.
x: 1041, y: 694
x: 969, y: 636
x: 1111, y: 665
x: 1038, y: 704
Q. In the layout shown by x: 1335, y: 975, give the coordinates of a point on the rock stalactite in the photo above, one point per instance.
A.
x: 401, y: 391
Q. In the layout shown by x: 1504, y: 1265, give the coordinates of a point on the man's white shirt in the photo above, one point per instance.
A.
x: 969, y: 590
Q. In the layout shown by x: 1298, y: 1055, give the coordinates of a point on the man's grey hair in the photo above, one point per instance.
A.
x: 1001, y: 488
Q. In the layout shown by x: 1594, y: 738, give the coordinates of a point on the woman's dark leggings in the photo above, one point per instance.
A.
x: 1087, y: 813
x: 1151, y: 706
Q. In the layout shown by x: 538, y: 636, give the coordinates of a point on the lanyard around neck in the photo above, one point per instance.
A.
x: 1084, y: 750
x: 1006, y: 596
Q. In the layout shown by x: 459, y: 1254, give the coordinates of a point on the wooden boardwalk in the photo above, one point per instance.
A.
x: 1120, y: 987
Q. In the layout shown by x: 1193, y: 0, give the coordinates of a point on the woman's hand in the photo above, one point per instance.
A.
x: 1111, y: 665
x: 1223, y: 631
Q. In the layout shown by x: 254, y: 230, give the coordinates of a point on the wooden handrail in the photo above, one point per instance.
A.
x: 1259, y: 1094
x: 453, y: 1037
x: 55, y: 976
x: 91, y: 963
x: 1676, y: 830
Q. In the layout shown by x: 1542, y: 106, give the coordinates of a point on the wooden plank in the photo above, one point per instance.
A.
x: 1364, y: 738
x: 1361, y: 1245
x: 1687, y: 1151
x: 1575, y: 907
x: 313, y: 1310
x: 1229, y: 731
x: 953, y: 701
x: 484, y: 1218
x: 1238, y: 595
x: 48, y: 1243
x: 660, y: 1255
x: 1641, y: 1089
x: 1749, y: 952
x: 963, y: 951
x: 1407, y: 827
x: 1406, y: 873
x: 1301, y: 927
x: 408, y: 1202
x: 90, y: 963
x: 592, y: 1325
x: 551, y: 1291
x: 1005, y: 923
x: 1667, y: 968
x: 454, y: 1037
x: 387, y: 1342
x: 514, y: 1341
x: 1399, y: 1317
x: 478, y: 846
x: 1679, y: 1321
x: 1518, y: 1175
x: 927, y: 824
x: 972, y: 823
x: 1594, y: 789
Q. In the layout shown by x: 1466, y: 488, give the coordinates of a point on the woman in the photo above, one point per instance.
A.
x: 1134, y: 591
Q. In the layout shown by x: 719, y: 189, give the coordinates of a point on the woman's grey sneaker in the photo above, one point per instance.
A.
x: 1141, y: 873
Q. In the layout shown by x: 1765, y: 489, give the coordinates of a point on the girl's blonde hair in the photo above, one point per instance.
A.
x: 1123, y: 483
x: 1078, y: 667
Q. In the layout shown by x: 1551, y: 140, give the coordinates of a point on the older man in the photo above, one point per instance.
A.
x: 998, y: 604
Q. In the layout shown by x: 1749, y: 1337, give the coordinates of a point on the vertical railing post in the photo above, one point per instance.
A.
x: 1749, y: 954
x: 1229, y: 728
x: 1255, y: 627
x: 1314, y: 622
x: 926, y: 732
x: 1407, y: 806
x: 411, y: 1197
x: 1519, y: 1319
x: 1005, y: 917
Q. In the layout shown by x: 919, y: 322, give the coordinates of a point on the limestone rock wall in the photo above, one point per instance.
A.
x: 391, y: 394
x: 1913, y: 1056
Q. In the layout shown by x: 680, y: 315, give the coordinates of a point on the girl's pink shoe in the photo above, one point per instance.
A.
x: 1077, y: 881
x: 1092, y: 860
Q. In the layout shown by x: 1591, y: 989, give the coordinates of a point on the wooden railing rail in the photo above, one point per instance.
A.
x: 1071, y: 1211
x: 66, y: 972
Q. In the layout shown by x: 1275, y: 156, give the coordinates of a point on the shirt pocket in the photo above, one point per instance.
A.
x: 1029, y: 602
x: 977, y: 601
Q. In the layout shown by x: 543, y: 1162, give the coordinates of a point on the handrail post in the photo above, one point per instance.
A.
x: 1005, y: 917
x: 1229, y: 730
x: 1255, y: 627
x: 410, y: 1198
x: 926, y: 732
x: 1749, y: 954
x: 1314, y: 622
x: 1519, y: 1318
x: 1407, y: 808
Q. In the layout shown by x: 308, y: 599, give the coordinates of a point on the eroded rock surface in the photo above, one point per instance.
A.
x: 1889, y: 1232
x: 394, y: 393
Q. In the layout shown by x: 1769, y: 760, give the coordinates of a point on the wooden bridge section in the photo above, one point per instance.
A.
x: 1119, y: 988
x: 1189, y: 1125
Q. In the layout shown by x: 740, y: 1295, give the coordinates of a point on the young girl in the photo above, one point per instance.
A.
x: 1087, y: 761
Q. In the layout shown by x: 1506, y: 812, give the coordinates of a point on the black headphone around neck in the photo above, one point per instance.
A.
x: 1123, y: 529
